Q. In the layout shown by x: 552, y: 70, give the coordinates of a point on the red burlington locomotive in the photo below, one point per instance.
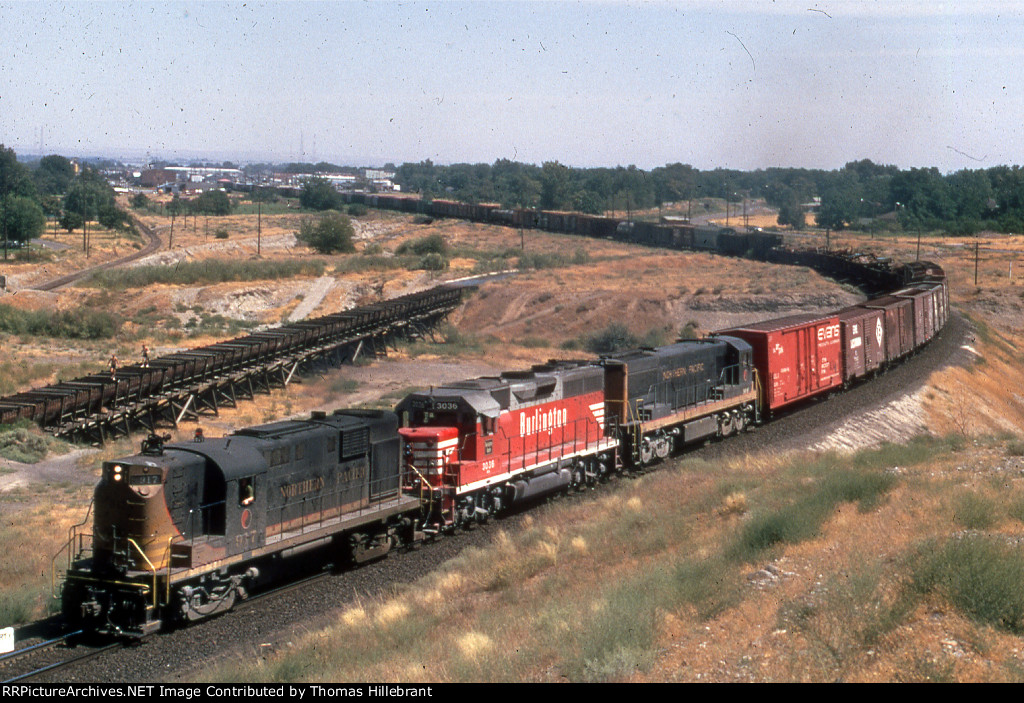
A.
x: 476, y: 446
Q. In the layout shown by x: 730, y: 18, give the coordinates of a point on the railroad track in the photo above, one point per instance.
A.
x: 49, y: 656
x: 152, y: 245
x: 52, y: 655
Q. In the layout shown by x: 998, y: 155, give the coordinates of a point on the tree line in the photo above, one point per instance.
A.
x: 963, y: 202
x: 52, y: 189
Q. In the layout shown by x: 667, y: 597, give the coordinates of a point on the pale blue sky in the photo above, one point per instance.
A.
x: 733, y: 84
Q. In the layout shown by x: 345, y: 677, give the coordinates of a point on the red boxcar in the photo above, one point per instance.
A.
x: 863, y: 336
x: 797, y: 357
x: 899, y: 324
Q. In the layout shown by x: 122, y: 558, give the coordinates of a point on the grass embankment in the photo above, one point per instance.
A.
x: 815, y: 567
x: 206, y: 271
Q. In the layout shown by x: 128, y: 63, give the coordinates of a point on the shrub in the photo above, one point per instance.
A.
x: 690, y: 331
x: 220, y: 233
x: 206, y: 271
x: 431, y: 244
x: 357, y: 210
x: 433, y: 262
x: 81, y: 323
x: 973, y: 511
x: 979, y: 575
x: 803, y: 518
x: 23, y: 442
x: 612, y: 338
x: 332, y: 233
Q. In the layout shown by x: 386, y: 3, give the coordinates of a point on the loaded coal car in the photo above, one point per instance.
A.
x: 660, y: 399
x: 181, y: 531
x: 478, y: 446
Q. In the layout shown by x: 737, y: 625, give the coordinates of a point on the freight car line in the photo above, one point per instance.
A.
x: 199, y: 381
x: 190, y: 528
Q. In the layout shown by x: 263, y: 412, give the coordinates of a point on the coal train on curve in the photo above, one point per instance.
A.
x: 182, y: 531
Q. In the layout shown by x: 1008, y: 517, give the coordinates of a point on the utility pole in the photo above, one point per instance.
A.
x: 976, y: 238
x: 3, y: 204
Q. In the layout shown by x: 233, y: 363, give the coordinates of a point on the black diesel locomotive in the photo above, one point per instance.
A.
x: 181, y: 531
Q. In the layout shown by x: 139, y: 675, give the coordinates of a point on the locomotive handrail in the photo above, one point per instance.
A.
x: 72, y: 535
x: 424, y: 484
x: 151, y: 568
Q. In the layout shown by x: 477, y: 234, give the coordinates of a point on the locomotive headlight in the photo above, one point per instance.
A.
x: 117, y: 472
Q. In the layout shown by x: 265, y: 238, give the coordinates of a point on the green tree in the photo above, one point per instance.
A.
x: 90, y: 194
x: 111, y: 216
x: 790, y: 213
x: 54, y: 175
x: 176, y: 207
x: 71, y: 220
x: 212, y: 202
x: 838, y: 208
x: 22, y: 218
x: 555, y: 186
x: 331, y: 233
x: 15, y: 178
x: 318, y: 194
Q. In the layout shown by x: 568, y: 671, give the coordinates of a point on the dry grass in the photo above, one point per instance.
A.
x: 586, y: 593
x: 30, y: 534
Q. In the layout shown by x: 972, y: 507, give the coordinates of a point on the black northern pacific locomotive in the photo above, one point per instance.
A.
x: 181, y: 531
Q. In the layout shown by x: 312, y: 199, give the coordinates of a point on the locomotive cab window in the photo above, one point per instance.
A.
x: 246, y: 492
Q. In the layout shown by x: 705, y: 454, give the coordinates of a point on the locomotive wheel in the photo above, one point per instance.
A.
x: 200, y: 604
x: 726, y: 425
x: 579, y: 477
x: 646, y: 453
x: 663, y: 447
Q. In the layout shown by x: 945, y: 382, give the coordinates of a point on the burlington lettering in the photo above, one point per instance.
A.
x: 541, y: 420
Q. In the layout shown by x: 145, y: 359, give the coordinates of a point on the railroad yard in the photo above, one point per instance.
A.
x: 643, y: 567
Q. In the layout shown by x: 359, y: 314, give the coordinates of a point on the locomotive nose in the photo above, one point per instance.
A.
x: 131, y: 524
x: 429, y: 449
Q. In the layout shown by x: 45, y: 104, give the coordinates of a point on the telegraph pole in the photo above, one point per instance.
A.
x: 976, y: 260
